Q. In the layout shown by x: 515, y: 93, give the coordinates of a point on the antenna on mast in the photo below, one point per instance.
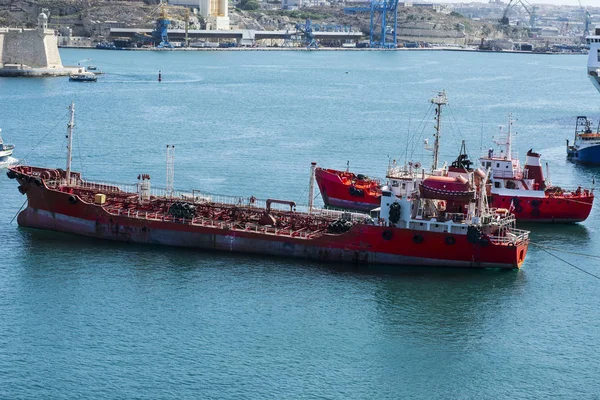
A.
x: 440, y: 100
x: 70, y: 127
x: 170, y: 170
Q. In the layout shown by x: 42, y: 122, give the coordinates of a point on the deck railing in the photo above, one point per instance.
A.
x: 200, y: 197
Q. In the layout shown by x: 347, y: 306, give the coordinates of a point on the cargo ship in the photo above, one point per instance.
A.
x: 406, y: 229
x: 586, y: 145
x: 525, y: 191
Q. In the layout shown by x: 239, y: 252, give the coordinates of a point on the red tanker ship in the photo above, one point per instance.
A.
x: 406, y: 230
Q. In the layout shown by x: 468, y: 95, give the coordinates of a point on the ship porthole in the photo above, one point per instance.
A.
x: 387, y: 235
x: 535, y: 212
x: 72, y: 199
x: 450, y: 240
x: 417, y: 238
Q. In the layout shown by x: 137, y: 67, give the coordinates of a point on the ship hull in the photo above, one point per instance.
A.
x: 546, y: 209
x: 586, y: 155
x: 362, y: 244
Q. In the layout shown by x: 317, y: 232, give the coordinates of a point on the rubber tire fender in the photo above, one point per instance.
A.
x: 417, y: 238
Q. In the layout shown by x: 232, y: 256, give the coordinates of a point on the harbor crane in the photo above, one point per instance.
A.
x: 526, y: 5
x: 309, y: 36
x: 586, y: 20
x: 381, y: 11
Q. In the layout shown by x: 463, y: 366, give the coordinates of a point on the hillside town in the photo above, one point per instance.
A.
x: 513, y: 25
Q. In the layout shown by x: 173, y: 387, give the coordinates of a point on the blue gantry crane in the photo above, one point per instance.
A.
x: 309, y: 36
x: 381, y: 11
x: 160, y: 33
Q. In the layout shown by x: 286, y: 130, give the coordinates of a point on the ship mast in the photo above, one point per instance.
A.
x: 311, y: 187
x: 439, y: 101
x: 509, y: 139
x: 170, y: 170
x: 70, y: 127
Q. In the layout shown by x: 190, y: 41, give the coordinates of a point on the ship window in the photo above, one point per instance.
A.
x: 497, y: 185
x: 404, y: 186
x: 497, y: 165
x: 598, y: 55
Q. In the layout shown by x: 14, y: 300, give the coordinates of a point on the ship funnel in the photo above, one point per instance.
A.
x: 533, y: 168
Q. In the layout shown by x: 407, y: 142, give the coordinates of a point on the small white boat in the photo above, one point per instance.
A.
x: 6, y: 150
x: 94, y: 70
x: 83, y: 77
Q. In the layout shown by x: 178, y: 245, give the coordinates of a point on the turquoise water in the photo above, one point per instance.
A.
x: 92, y: 319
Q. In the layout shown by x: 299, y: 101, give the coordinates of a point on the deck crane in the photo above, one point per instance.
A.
x: 526, y: 5
x: 381, y: 11
x: 309, y: 36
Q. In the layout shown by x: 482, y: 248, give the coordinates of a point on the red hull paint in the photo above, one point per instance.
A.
x: 51, y: 209
x: 548, y: 209
x: 335, y: 187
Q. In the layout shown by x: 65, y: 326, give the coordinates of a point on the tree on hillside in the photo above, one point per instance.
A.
x: 248, y: 5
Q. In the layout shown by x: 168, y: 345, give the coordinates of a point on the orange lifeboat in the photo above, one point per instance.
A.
x: 446, y: 188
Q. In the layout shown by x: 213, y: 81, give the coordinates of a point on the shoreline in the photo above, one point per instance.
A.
x: 439, y: 48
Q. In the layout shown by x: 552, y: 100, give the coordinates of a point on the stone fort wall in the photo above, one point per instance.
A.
x: 36, y: 48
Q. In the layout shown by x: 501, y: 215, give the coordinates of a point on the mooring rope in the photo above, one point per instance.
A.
x: 38, y: 143
x: 543, y: 248
x: 13, y: 218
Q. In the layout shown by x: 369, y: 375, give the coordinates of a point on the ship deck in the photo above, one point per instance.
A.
x: 220, y: 211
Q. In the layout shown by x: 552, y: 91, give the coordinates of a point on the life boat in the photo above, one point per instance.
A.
x: 446, y: 188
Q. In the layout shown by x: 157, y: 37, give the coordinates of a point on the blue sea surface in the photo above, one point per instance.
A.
x: 82, y: 318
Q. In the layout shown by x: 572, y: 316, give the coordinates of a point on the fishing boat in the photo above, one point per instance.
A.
x: 593, y: 67
x: 525, y: 191
x: 406, y: 229
x: 586, y: 145
x: 6, y: 150
x: 83, y: 77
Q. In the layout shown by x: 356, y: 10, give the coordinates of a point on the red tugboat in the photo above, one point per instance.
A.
x: 408, y: 229
x: 526, y: 193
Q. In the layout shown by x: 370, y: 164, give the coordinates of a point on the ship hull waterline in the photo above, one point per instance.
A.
x: 362, y: 244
